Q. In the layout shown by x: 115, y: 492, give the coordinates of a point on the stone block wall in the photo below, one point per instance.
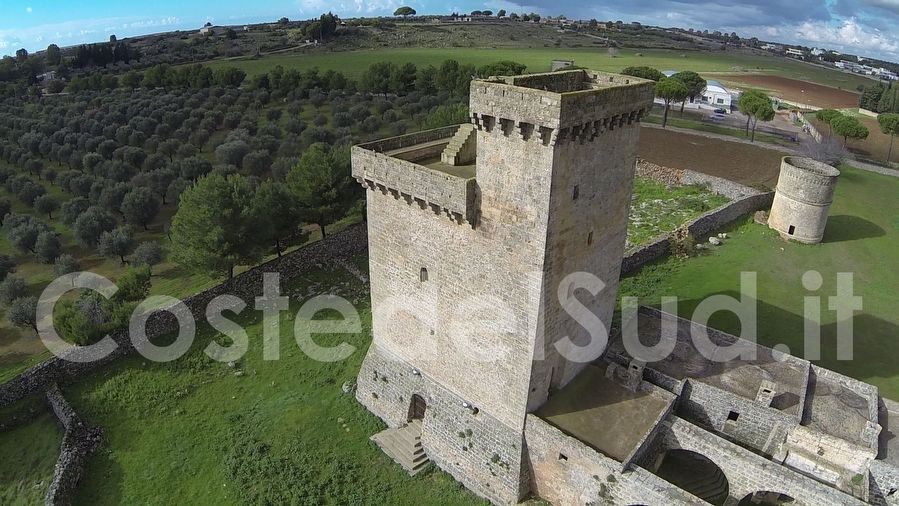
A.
x: 475, y: 448
x: 884, y: 483
x: 401, y: 141
x: 748, y: 472
x: 567, y: 472
x: 760, y: 427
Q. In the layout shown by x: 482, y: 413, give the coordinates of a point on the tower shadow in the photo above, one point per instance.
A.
x: 843, y: 227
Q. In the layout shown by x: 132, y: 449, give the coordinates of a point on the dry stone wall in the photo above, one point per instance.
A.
x: 345, y: 244
x: 744, y: 200
x: 79, y: 441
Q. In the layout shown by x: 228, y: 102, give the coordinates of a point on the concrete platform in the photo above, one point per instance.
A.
x: 603, y: 414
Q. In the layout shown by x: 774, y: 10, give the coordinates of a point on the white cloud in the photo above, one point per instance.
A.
x: 849, y: 35
x: 28, y: 9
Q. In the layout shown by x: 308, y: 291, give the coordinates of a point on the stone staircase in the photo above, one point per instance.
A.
x: 403, y: 445
x: 462, y: 148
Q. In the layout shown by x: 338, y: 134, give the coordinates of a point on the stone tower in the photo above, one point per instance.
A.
x: 472, y: 230
x: 804, y: 193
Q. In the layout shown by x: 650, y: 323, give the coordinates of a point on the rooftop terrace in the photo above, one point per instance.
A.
x: 604, y: 414
x: 410, y: 167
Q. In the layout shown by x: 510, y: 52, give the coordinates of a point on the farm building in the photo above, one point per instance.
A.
x: 714, y: 96
x: 717, y: 95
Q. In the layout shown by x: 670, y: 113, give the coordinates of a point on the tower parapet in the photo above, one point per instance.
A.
x: 558, y: 107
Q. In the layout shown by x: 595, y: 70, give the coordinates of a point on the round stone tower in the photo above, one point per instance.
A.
x: 804, y: 193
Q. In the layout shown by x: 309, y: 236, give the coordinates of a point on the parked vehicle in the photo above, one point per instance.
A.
x: 720, y: 111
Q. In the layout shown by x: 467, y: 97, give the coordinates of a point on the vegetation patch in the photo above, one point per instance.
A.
x: 861, y: 227
x: 657, y: 209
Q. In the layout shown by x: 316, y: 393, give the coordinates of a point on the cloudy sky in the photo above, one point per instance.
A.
x: 866, y: 27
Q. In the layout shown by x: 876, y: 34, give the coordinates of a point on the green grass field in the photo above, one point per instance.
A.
x: 862, y: 237
x: 197, y: 431
x: 354, y: 63
x: 28, y: 454
x: 657, y: 209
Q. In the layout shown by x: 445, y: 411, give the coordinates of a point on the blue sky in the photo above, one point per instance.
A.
x: 867, y: 27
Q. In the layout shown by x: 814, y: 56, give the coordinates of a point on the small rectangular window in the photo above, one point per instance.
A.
x: 732, y: 416
x: 423, y: 275
x: 575, y: 193
x: 563, y: 457
x: 792, y: 229
x: 589, y: 238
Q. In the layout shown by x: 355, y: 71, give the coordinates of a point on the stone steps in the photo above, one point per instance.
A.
x: 461, y: 148
x: 403, y: 445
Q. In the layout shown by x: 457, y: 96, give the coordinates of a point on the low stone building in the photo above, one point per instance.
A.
x: 495, y: 252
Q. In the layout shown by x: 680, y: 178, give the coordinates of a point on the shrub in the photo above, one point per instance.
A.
x: 91, y: 224
x: 7, y: 266
x: 48, y: 247
x: 23, y: 312
x: 147, y: 254
x: 46, y: 204
x: 11, y: 289
x: 64, y: 264
x: 72, y: 209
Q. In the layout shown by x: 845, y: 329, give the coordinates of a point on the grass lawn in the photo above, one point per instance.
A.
x: 196, y: 431
x: 28, y: 454
x: 537, y: 59
x: 657, y: 209
x: 862, y: 237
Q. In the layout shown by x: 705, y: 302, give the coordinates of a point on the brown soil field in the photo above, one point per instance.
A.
x: 797, y: 92
x: 744, y: 163
x: 875, y: 147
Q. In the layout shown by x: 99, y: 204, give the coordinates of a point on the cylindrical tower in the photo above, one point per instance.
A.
x: 804, y: 193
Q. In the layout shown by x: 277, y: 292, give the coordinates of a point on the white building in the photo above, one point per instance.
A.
x: 717, y: 95
x: 714, y: 96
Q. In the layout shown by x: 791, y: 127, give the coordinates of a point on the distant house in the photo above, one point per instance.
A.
x: 795, y: 53
x: 207, y: 30
x: 772, y: 47
x: 561, y: 64
x: 715, y: 94
x: 46, y: 77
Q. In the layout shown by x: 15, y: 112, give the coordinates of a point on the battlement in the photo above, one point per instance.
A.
x: 558, y: 107
x: 409, y: 167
